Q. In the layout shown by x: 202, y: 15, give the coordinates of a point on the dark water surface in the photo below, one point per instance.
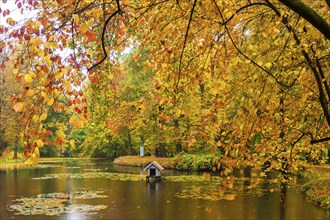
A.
x: 141, y: 200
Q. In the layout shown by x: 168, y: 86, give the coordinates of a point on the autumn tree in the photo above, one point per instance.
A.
x: 246, y: 78
x: 11, y: 126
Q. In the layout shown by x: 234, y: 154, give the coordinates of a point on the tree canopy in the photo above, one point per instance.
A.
x: 246, y: 79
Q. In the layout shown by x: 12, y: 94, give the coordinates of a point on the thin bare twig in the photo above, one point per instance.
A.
x: 103, y: 36
x: 241, y: 52
x: 184, y: 44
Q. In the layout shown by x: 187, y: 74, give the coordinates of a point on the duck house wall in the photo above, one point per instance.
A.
x: 156, y: 172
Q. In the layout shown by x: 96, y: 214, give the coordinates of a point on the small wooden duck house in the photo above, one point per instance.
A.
x: 153, y: 171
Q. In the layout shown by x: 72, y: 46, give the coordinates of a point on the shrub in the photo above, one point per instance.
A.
x: 194, y: 162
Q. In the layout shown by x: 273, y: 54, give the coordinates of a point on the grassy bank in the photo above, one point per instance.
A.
x: 10, y: 164
x: 6, y: 164
x: 187, y: 162
x: 142, y: 161
x: 317, y: 187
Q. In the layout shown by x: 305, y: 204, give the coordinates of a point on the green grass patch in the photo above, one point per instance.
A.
x: 197, y: 162
x: 4, y: 161
x: 188, y: 162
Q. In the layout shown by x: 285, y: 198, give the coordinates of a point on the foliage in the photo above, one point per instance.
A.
x: 195, y: 162
x: 102, y: 143
x: 11, y: 125
x: 9, y: 155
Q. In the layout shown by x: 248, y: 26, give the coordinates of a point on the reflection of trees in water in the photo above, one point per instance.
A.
x: 266, y: 186
x: 247, y: 177
x: 283, y: 194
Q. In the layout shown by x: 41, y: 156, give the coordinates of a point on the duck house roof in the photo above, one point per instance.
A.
x: 157, y: 165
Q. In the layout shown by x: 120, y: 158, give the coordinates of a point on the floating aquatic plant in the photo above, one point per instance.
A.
x: 106, y: 175
x: 128, y: 177
x: 207, y: 192
x: 56, y: 203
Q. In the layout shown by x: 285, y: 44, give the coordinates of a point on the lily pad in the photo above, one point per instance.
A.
x: 56, y: 203
x: 128, y: 177
x: 212, y: 193
x: 106, y: 175
x: 191, y: 178
x: 89, y: 195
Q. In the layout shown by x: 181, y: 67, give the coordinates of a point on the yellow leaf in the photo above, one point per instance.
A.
x: 36, y: 41
x: 28, y: 78
x: 50, y: 102
x: 35, y: 118
x: 18, y: 107
x: 30, y: 92
x: 43, y: 117
x: 268, y: 65
x: 43, y: 94
x: 36, y: 150
x: 84, y: 28
x: 48, y: 60
x: 72, y: 144
x: 40, y: 143
x: 75, y: 17
x: 229, y: 14
x: 28, y: 162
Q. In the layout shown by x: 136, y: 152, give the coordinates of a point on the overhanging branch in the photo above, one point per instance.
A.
x: 320, y: 140
x: 184, y: 44
x: 315, y: 141
x: 105, y: 54
x: 309, y: 15
x: 224, y: 23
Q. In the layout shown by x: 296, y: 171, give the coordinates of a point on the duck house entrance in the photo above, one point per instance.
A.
x: 152, y: 172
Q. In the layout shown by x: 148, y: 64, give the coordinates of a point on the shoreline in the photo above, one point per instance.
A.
x: 138, y: 161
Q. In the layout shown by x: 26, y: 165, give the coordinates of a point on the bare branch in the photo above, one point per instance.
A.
x: 315, y: 141
x: 241, y: 52
x: 178, y: 3
x: 328, y: 3
x: 184, y: 43
x: 320, y: 140
x: 294, y: 143
x: 103, y: 36
x: 322, y: 97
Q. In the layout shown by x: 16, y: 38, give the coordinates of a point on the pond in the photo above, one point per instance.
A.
x: 97, y: 189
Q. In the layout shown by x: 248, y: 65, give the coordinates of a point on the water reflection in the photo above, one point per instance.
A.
x: 155, y: 200
x: 153, y: 188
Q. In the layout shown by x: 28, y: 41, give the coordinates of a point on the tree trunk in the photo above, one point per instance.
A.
x: 129, y: 139
x: 202, y: 91
x: 160, y: 150
x: 15, y: 151
x: 178, y: 145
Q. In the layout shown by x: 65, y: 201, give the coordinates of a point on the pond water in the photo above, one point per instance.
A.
x: 97, y: 189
